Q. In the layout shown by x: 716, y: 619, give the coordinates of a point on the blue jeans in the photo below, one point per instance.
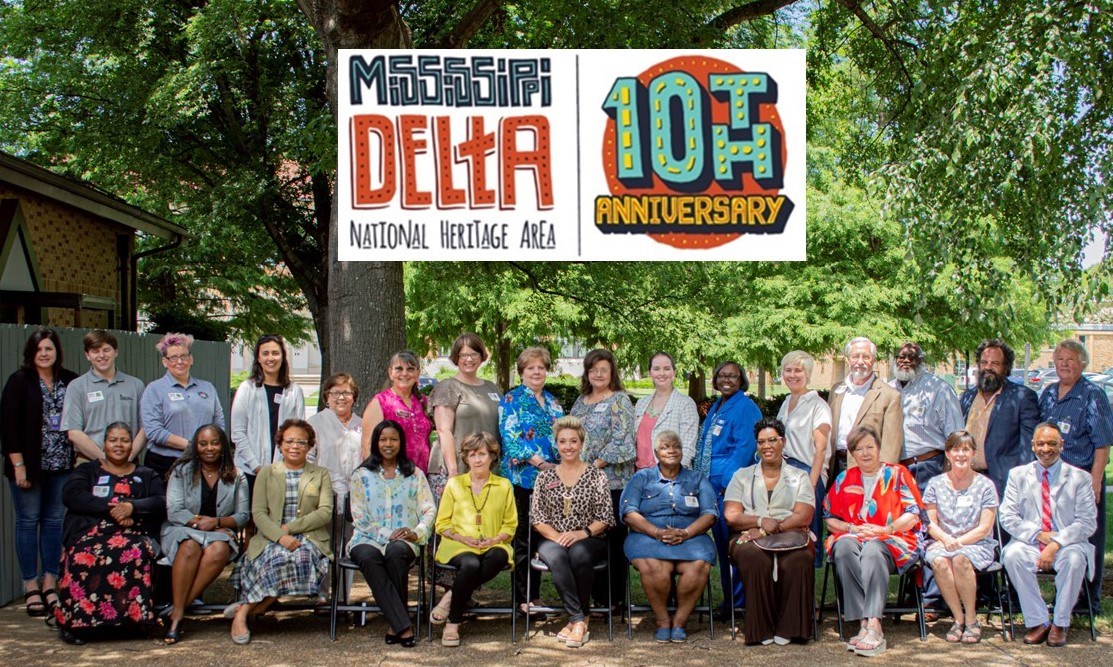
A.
x: 38, y: 524
x: 817, y: 517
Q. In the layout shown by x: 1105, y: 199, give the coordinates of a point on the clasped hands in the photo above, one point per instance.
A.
x: 672, y: 536
x: 121, y: 513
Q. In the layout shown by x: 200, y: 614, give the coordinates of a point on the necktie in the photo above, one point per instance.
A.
x: 1045, y: 493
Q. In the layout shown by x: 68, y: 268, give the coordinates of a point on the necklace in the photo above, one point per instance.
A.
x: 479, y: 507
x: 566, y: 495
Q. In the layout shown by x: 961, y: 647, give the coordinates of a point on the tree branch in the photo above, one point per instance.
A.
x: 739, y: 14
x: 890, y: 45
x: 469, y: 24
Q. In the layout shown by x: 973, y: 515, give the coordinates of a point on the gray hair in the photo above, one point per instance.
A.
x: 855, y: 341
x: 667, y: 437
x: 1078, y: 348
x: 799, y: 358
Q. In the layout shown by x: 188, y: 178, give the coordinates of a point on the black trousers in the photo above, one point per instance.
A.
x: 522, y: 498
x: 473, y: 570
x: 388, y: 576
x: 573, y: 571
x: 616, y: 537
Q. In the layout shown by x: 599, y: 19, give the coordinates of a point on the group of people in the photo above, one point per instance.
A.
x: 510, y: 476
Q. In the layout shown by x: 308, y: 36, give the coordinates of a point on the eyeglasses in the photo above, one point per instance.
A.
x: 470, y: 356
x: 178, y: 358
x: 404, y: 369
x: 341, y: 394
x: 728, y: 376
x: 291, y: 442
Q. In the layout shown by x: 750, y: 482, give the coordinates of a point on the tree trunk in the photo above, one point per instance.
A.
x: 502, y: 356
x: 697, y: 385
x: 760, y: 382
x: 365, y: 313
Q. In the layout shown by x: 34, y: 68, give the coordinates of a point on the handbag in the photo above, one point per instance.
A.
x: 790, y: 541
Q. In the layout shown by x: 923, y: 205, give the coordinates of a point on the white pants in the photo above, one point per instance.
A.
x: 1070, y: 571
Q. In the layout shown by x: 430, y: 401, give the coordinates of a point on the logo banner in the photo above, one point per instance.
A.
x: 634, y: 155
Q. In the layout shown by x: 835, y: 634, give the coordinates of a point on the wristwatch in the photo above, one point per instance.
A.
x: 587, y: 531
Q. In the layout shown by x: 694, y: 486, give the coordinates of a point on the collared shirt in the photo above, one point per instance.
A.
x: 93, y: 402
x: 931, y: 413
x: 854, y: 395
x: 1083, y: 417
x: 1052, y: 477
x: 527, y: 431
x: 668, y: 502
x: 977, y: 423
x: 811, y: 412
x: 170, y: 408
x: 748, y: 488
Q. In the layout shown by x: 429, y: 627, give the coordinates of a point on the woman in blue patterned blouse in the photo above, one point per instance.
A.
x: 526, y: 416
x: 392, y: 513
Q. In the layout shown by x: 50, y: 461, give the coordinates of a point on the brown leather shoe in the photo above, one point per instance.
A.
x: 1037, y: 635
x: 1057, y: 636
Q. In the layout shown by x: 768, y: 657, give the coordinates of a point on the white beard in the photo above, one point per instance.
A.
x: 906, y: 375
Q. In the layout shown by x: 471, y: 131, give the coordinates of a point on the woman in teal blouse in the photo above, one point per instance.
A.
x: 392, y: 514
x: 526, y: 416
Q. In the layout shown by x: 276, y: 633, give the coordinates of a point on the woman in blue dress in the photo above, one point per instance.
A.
x: 668, y: 509
x: 726, y: 445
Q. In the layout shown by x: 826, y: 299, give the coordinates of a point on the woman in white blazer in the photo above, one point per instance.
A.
x: 263, y: 401
x: 667, y: 409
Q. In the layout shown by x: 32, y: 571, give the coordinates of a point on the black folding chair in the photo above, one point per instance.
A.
x: 700, y: 609
x: 343, y: 564
x: 492, y: 610
x: 540, y: 567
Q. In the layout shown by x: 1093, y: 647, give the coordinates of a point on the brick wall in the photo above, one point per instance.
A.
x: 76, y: 252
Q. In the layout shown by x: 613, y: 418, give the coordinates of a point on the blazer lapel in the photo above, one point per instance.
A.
x: 836, y: 410
x: 871, y: 395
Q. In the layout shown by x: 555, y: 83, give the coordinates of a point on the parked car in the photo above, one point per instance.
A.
x: 1041, y: 378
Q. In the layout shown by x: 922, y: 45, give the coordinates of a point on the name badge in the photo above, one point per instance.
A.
x: 493, y: 396
x: 175, y: 396
x: 691, y: 501
x: 94, y: 396
x: 965, y: 501
x: 100, y: 491
x: 716, y: 429
x: 792, y: 481
x: 1064, y: 427
x: 278, y: 399
x: 54, y: 422
x: 104, y: 479
x: 600, y: 408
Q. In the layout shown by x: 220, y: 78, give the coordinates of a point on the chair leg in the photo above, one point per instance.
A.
x: 1089, y: 610
x: 728, y: 596
x: 629, y: 609
x: 610, y: 602
x: 710, y: 604
x: 529, y: 582
x: 919, y: 593
x: 838, y: 606
x: 823, y: 590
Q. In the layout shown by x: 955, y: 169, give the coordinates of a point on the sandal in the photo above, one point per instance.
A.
x: 562, y: 636
x: 954, y: 635
x: 972, y: 634
x: 451, y: 635
x: 174, y: 634
x: 853, y: 643
x: 51, y: 605
x: 578, y: 636
x: 35, y: 608
x: 439, y: 614
x: 872, y: 644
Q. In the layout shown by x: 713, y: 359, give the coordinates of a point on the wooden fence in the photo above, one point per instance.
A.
x: 138, y: 357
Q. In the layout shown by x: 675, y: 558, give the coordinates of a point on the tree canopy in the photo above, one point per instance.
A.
x: 958, y: 162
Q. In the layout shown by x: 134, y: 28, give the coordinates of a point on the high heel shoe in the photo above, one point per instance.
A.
x: 174, y: 634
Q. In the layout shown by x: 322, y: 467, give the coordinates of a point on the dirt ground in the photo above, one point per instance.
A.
x: 300, y: 638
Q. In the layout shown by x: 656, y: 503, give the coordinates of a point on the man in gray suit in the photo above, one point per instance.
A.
x: 1049, y: 510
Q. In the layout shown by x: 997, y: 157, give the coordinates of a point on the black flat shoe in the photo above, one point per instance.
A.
x: 72, y: 639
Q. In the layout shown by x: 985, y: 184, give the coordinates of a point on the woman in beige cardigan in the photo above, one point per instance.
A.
x: 292, y: 509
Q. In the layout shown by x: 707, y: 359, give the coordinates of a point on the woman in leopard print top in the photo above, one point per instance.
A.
x: 571, y: 510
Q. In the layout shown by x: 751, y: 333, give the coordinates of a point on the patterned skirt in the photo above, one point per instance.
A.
x: 106, y: 579
x: 278, y: 571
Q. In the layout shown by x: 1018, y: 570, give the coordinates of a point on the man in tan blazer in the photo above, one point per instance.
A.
x: 864, y: 399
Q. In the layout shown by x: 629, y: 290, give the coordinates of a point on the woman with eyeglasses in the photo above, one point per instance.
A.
x: 726, y: 444
x: 338, y: 432
x: 292, y: 509
x: 401, y: 401
x: 264, y: 400
x: 462, y: 405
x: 174, y: 406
